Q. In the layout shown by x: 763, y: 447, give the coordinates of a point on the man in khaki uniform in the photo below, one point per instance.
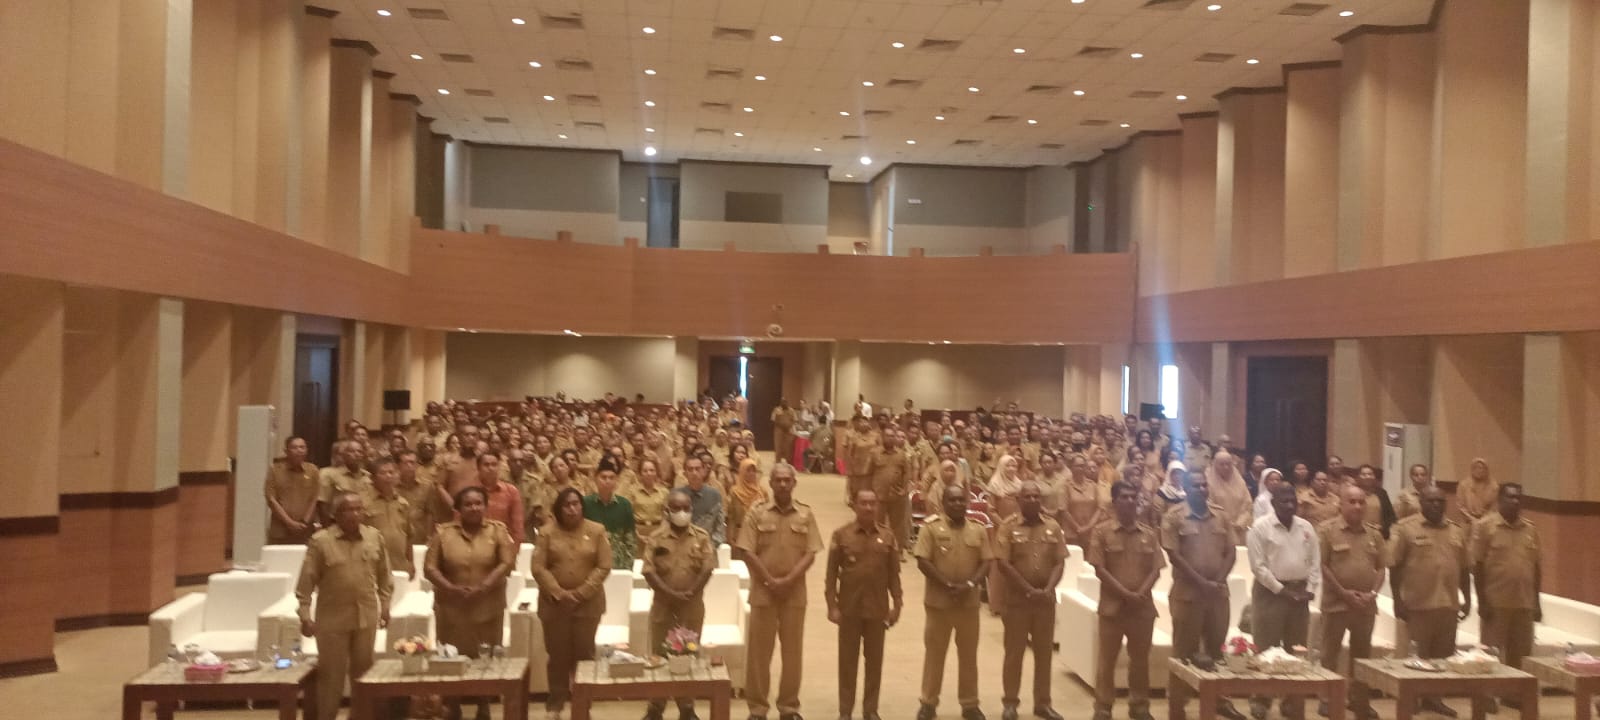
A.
x: 292, y: 490
x: 1505, y: 561
x: 1030, y: 550
x: 864, y: 600
x: 783, y: 432
x: 891, y: 482
x: 1320, y: 502
x: 1428, y: 560
x: 859, y: 447
x: 780, y: 540
x: 351, y: 476
x: 954, y: 555
x: 1408, y: 503
x: 1353, y: 568
x: 390, y: 514
x: 348, y: 570
x: 678, y: 560
x: 1127, y: 558
x: 1199, y: 541
x: 428, y: 504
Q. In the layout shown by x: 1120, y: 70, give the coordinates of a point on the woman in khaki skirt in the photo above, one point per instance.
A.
x: 468, y: 561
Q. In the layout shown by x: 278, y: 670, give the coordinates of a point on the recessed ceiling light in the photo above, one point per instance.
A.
x: 816, y: 149
x: 549, y: 98
x: 1136, y: 55
x: 443, y: 91
x: 384, y: 13
x: 1213, y: 7
x: 649, y: 151
x: 1252, y: 61
x: 897, y: 45
x: 844, y: 113
x: 1126, y: 125
x: 761, y: 77
x: 1079, y: 93
x: 775, y: 38
x: 866, y: 83
x: 749, y: 109
x: 649, y: 30
x: 518, y: 21
x: 738, y: 134
x: 649, y: 71
x: 911, y: 142
x: 866, y: 160
x: 1032, y: 121
x: 415, y: 56
x: 1077, y: 2
x: 938, y: 117
x: 562, y: 136
x: 535, y: 64
x: 1183, y: 97
x: 649, y: 103
x: 848, y: 175
x: 1019, y: 51
x: 972, y: 89
x: 1346, y: 13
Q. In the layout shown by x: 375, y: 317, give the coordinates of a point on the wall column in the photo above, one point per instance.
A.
x: 1198, y: 197
x: 402, y: 146
x: 380, y: 246
x: 685, y: 368
x: 1219, y: 419
x: 315, y: 92
x: 350, y: 147
x: 1560, y: 126
x: 846, y: 377
x: 396, y: 370
x: 1311, y: 169
x: 206, y: 438
x: 1250, y: 192
x: 152, y: 130
x: 1475, y: 405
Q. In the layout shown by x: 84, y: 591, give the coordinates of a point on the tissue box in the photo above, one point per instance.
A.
x: 204, y: 673
x: 627, y: 669
x: 448, y: 666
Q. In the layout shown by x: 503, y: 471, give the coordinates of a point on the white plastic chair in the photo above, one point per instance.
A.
x: 614, y: 627
x: 285, y: 559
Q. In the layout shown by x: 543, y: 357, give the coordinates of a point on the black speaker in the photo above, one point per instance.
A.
x: 396, y: 400
x: 1149, y: 411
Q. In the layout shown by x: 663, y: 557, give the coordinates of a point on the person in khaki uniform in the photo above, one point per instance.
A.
x: 570, y: 565
x: 1030, y: 550
x: 348, y: 571
x: 891, y: 482
x: 1353, y: 565
x: 428, y: 503
x: 1478, y: 494
x: 954, y: 555
x: 1320, y: 502
x: 351, y: 476
x: 678, y: 560
x: 467, y: 562
x: 390, y: 515
x: 1408, y: 504
x: 1505, y: 562
x: 1428, y: 560
x: 1199, y: 541
x: 780, y: 540
x: 292, y: 490
x: 1126, y: 556
x: 864, y: 600
x: 783, y: 432
x: 859, y: 446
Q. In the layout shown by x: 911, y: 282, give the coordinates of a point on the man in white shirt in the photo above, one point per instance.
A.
x: 1287, y: 563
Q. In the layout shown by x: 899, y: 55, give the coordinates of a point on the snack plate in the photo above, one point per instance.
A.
x: 244, y: 665
x: 1423, y: 665
x: 655, y: 661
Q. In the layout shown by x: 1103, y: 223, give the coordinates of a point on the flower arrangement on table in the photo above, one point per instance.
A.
x: 681, y: 646
x: 1238, y: 646
x: 414, y: 645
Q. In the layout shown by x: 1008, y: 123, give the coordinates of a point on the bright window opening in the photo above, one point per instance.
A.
x: 1127, y: 373
x: 1169, y: 391
x: 744, y: 376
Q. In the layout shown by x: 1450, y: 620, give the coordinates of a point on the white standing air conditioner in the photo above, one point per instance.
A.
x: 257, y: 443
x: 1403, y: 446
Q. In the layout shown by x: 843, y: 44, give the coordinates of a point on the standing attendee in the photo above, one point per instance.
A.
x: 428, y: 503
x: 570, y: 565
x: 705, y: 500
x: 291, y: 491
x: 614, y: 513
x: 1319, y: 502
x: 1268, y: 478
x: 1477, y: 495
x: 350, y: 476
x: 954, y: 555
x: 1030, y: 550
x: 1126, y: 556
x: 1229, y: 491
x: 390, y: 514
x: 780, y: 540
x: 461, y: 469
x: 858, y: 447
x: 783, y: 421
x: 1286, y: 561
x: 1199, y: 541
x: 678, y: 561
x: 468, y: 561
x: 347, y: 570
x: 648, y: 498
x: 1083, y: 501
x: 745, y: 494
x: 1505, y: 562
x: 1433, y: 587
x: 1409, y: 504
x: 862, y: 589
x: 504, y: 500
x: 1353, y: 569
x: 891, y: 482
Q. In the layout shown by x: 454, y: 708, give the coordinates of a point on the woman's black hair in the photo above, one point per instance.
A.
x: 461, y: 495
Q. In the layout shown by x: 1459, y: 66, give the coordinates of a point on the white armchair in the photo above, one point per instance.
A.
x: 524, y: 564
x: 724, y: 631
x: 285, y: 559
x: 234, y: 617
x: 725, y: 561
x: 614, y: 624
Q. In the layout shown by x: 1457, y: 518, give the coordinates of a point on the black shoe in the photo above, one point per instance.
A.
x: 1008, y: 712
x: 972, y: 713
x: 452, y: 712
x: 790, y: 716
x: 687, y: 715
x: 652, y: 714
x: 1258, y: 710
x: 1228, y: 711
x: 1140, y: 715
x: 1046, y: 712
x: 1435, y: 705
x: 870, y: 716
x: 926, y: 712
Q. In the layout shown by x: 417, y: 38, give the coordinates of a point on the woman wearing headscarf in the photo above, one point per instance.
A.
x: 1479, y: 493
x: 745, y: 494
x: 1270, y: 478
x: 1169, y: 494
x: 1228, y: 490
x: 1004, y: 485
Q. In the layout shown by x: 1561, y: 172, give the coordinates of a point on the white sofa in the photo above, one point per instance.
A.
x: 234, y: 617
x: 725, y: 633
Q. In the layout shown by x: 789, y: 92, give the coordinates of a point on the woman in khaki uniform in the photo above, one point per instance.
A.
x: 570, y: 565
x: 468, y: 561
x: 1083, y: 501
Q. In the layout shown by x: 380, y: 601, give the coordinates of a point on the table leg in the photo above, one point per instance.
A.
x: 1530, y: 700
x: 360, y: 704
x: 164, y: 709
x: 519, y: 697
x: 1583, y: 711
x: 1208, y: 702
x: 722, y: 703
x: 132, y: 706
x: 1172, y: 707
x: 1405, y: 703
x: 1480, y: 706
x: 1337, y: 699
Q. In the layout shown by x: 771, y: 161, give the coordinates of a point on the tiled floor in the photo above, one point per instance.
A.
x: 95, y: 662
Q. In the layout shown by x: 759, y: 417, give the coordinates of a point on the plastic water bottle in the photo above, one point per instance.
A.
x: 174, y: 655
x: 298, y: 655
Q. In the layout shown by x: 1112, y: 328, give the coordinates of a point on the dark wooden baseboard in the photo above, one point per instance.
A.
x: 89, y: 622
x: 195, y: 578
x: 33, y: 666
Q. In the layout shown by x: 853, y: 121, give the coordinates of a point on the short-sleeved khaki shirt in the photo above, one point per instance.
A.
x: 1318, y: 509
x: 427, y: 507
x: 1431, y: 558
x: 1034, y: 550
x: 866, y: 565
x: 1202, y: 541
x: 349, y: 575
x: 1129, y: 554
x: 576, y: 560
x: 781, y: 538
x: 956, y: 552
x: 678, y: 559
x: 1507, y: 555
x: 467, y: 559
x: 340, y: 480
x: 1353, y: 555
x: 891, y: 474
x: 391, y: 516
x: 297, y: 491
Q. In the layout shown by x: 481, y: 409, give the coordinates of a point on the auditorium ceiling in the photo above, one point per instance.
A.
x: 828, y: 82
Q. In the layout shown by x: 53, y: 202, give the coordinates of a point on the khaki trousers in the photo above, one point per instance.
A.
x: 941, y: 622
x: 1196, y: 623
x: 1278, y: 621
x: 1358, y: 623
x: 896, y: 512
x: 1028, y: 626
x: 568, y: 638
x: 340, y: 654
x: 787, y: 625
x: 860, y: 637
x: 1137, y: 628
x: 1511, y: 630
x: 1433, y: 632
x: 664, y: 616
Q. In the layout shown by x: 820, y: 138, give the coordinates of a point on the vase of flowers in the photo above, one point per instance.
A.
x: 681, y: 647
x: 413, y: 652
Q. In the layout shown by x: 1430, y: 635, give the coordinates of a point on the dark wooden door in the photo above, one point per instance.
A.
x: 724, y: 377
x: 316, y: 382
x: 1287, y: 409
x: 763, y: 390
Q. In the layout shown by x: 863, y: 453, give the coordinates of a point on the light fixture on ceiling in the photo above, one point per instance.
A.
x: 649, y: 30
x: 848, y: 175
x: 549, y: 98
x: 1032, y: 121
x: 1346, y: 13
x: 649, y: 130
x: 415, y: 56
x: 1183, y: 97
x: 443, y: 91
x: 649, y: 71
x: 535, y: 64
x: 384, y: 13
x: 911, y: 142
x: 866, y: 160
x: 1077, y: 2
x: 1252, y: 61
x: 1213, y: 7
x: 518, y: 21
x: 649, y: 151
x: 574, y: 334
x: 897, y: 45
x: 972, y: 89
x: 738, y: 134
x: 563, y: 136
x: 866, y: 83
x: 816, y: 149
x: 946, y: 342
x: 775, y: 38
x: 1019, y: 51
x: 938, y: 117
x: 749, y: 109
x: 1079, y: 93
x: 649, y: 103
x: 1126, y: 125
x: 1136, y: 55
x: 844, y: 113
x: 761, y: 77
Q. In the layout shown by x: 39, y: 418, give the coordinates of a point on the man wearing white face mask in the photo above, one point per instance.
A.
x: 678, y: 560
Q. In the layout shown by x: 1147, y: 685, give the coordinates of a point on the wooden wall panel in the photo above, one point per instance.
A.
x: 85, y: 547
x: 33, y: 580
x: 1564, y: 529
x: 203, y: 528
x: 1549, y: 289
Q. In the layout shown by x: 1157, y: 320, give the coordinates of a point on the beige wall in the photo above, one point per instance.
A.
x: 963, y: 376
x: 1311, y: 171
x: 702, y: 219
x: 493, y: 366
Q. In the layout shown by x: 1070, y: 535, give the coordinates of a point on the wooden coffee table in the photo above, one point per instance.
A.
x: 165, y: 686
x: 1212, y: 685
x: 1391, y: 676
x: 1583, y: 686
x: 589, y: 684
x: 506, y: 677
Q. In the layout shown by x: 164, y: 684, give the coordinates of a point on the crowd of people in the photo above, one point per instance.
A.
x: 986, y: 502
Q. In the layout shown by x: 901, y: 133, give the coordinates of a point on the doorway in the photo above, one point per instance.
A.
x: 316, y: 393
x: 1287, y: 409
x: 759, y: 380
x: 661, y: 216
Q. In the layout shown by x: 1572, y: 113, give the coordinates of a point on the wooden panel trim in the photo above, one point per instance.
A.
x: 119, y: 500
x: 383, y: 74
x: 1199, y: 115
x: 1312, y: 65
x: 90, y: 622
x: 321, y: 12
x: 194, y: 579
x: 1237, y: 90
x: 408, y: 98
x: 1550, y: 506
x: 204, y: 477
x: 30, y: 526
x: 31, y: 666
